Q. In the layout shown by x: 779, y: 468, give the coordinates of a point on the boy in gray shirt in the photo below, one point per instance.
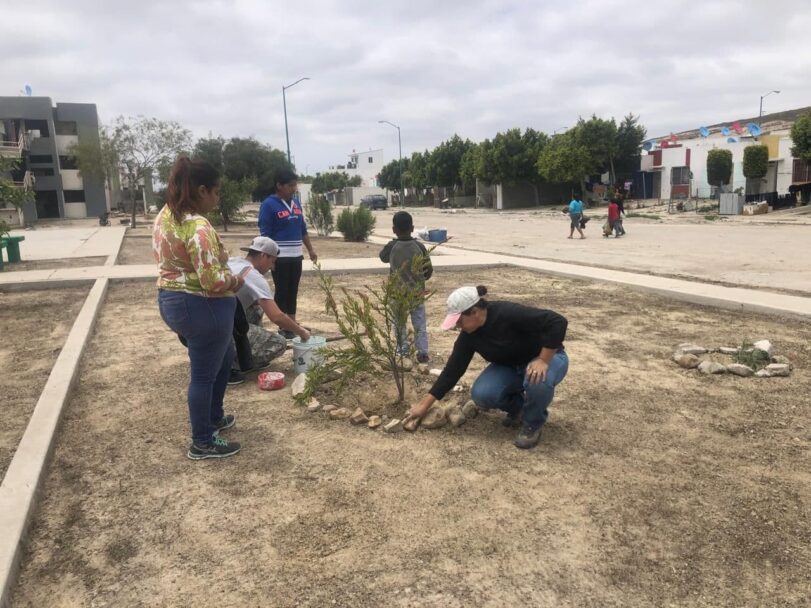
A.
x: 399, y: 253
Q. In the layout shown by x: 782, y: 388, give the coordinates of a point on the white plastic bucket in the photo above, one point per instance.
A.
x: 307, y: 353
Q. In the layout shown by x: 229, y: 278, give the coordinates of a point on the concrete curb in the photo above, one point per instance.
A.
x: 112, y: 259
x: 20, y: 486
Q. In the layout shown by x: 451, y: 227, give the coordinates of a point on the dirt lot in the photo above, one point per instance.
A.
x: 55, y: 263
x: 33, y: 329
x: 653, y: 486
x: 138, y: 249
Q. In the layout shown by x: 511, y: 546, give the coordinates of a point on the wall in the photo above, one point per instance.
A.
x: 86, y: 118
x: 75, y: 210
x: 352, y: 196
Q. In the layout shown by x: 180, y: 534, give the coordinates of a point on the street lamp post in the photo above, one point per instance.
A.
x: 400, y: 161
x: 760, y: 113
x: 284, y: 103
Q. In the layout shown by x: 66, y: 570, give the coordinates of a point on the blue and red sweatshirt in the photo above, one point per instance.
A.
x: 284, y: 223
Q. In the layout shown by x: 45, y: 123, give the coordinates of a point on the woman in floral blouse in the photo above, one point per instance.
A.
x: 196, y: 299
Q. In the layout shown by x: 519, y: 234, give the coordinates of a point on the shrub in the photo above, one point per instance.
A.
x: 4, y: 230
x: 319, y: 214
x: 356, y: 225
x: 719, y: 167
x: 755, y: 161
x: 801, y: 137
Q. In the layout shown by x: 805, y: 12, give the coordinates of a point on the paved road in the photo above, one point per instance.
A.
x: 740, y: 251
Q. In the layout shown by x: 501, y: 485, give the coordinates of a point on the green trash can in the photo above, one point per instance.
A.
x: 12, y: 244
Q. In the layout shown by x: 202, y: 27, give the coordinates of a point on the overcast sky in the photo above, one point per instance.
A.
x: 434, y: 67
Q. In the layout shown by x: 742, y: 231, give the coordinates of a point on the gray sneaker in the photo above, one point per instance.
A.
x: 528, y: 437
x: 218, y: 448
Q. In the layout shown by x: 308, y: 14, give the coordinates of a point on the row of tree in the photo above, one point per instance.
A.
x: 590, y: 147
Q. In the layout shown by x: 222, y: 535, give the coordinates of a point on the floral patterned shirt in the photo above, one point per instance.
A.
x: 190, y: 256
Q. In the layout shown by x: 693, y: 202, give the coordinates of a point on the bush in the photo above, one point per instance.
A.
x: 719, y: 167
x: 801, y: 137
x: 755, y: 161
x: 319, y: 214
x: 356, y: 225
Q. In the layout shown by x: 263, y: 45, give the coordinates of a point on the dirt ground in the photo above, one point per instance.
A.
x: 652, y: 486
x: 55, y: 263
x: 138, y: 249
x: 33, y: 330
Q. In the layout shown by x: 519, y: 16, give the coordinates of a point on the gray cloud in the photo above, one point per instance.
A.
x: 435, y: 68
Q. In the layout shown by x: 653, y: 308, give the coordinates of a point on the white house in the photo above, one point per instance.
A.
x: 365, y: 164
x: 676, y: 167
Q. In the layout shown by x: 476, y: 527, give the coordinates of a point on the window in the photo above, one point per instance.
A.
x: 40, y: 159
x: 68, y: 162
x: 43, y: 172
x: 65, y: 128
x: 371, y: 159
x: 680, y: 176
x: 38, y: 125
x: 74, y: 196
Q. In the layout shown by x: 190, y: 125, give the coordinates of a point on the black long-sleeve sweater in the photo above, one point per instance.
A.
x: 513, y: 334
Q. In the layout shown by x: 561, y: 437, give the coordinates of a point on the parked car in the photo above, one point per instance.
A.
x: 374, y: 201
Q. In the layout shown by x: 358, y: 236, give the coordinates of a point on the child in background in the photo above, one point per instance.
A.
x: 614, y: 220
x: 399, y: 253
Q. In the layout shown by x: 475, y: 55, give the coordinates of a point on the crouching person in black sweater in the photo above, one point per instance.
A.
x: 524, y: 346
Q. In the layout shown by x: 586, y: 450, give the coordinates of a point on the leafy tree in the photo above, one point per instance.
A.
x: 418, y: 174
x: 389, y: 177
x: 211, y: 149
x: 246, y: 157
x: 630, y: 135
x: 719, y: 167
x: 334, y: 180
x: 233, y: 194
x: 10, y: 193
x: 446, y: 161
x: 756, y: 162
x: 468, y: 166
x: 512, y: 157
x: 146, y: 146
x: 801, y: 137
x: 565, y: 160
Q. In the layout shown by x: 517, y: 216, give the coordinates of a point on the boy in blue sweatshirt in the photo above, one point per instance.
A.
x: 399, y: 253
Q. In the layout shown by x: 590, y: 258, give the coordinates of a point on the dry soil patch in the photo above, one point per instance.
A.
x: 33, y: 329
x: 652, y: 485
x: 98, y: 260
x: 138, y: 249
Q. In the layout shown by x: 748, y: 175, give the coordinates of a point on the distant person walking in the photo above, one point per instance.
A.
x: 614, y: 220
x: 196, y: 298
x: 282, y: 219
x: 576, y: 216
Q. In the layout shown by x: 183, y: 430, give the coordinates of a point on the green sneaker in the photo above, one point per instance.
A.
x: 218, y: 448
x: 226, y: 422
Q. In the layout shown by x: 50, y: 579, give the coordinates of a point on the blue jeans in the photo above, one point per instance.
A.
x: 507, y: 388
x: 206, y: 325
x: 419, y: 321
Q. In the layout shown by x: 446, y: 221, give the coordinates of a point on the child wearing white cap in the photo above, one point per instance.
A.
x: 524, y: 346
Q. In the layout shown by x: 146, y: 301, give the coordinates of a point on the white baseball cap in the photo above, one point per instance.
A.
x: 458, y: 302
x: 263, y: 244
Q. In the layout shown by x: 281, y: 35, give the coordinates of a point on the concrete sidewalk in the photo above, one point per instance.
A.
x: 734, y: 298
x: 50, y: 244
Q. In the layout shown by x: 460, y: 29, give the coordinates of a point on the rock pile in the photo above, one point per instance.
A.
x: 688, y: 356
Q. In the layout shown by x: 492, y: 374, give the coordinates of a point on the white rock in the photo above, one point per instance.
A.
x: 691, y: 349
x: 711, y: 367
x: 394, y: 426
x: 740, y: 370
x: 359, y: 417
x: 435, y: 371
x: 727, y: 350
x: 298, y: 384
x: 458, y: 388
x: 434, y: 418
x: 374, y: 422
x: 763, y: 373
x: 329, y: 407
x: 781, y: 359
x: 314, y: 405
x: 422, y: 368
x: 470, y: 409
x: 778, y: 369
x: 764, y: 346
x: 456, y: 417
x: 686, y: 360
x: 340, y: 413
